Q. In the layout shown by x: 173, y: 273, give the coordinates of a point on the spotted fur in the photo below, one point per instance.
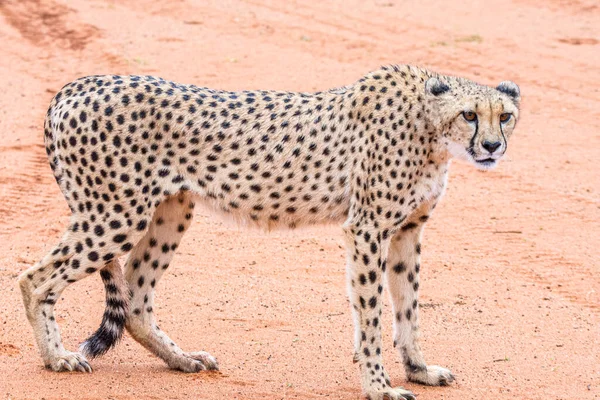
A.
x: 133, y: 154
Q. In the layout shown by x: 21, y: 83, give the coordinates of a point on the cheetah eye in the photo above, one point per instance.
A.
x: 470, y: 116
x: 505, y: 117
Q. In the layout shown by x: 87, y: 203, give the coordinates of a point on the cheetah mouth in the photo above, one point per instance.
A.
x: 487, y: 162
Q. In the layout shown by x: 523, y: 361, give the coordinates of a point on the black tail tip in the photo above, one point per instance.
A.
x: 99, y: 343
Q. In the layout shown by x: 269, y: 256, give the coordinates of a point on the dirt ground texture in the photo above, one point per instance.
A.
x: 511, y: 271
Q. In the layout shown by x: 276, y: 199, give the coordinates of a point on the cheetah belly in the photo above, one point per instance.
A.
x: 299, y: 199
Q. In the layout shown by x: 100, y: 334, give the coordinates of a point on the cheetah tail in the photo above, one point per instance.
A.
x: 113, y: 321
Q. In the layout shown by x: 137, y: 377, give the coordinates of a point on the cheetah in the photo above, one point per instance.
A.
x: 134, y: 154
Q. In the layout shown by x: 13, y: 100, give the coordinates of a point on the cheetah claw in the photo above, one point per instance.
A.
x: 397, y: 393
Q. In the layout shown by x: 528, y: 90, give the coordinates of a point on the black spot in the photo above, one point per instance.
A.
x: 399, y: 268
x: 373, y: 302
x: 409, y: 226
x: 373, y: 248
x: 372, y: 276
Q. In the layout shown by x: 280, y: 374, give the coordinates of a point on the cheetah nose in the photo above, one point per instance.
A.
x: 491, y: 146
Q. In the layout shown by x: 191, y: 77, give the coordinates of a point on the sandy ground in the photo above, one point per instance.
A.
x: 511, y: 269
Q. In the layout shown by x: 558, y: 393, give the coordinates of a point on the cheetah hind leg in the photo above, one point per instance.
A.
x: 42, y: 284
x: 39, y: 308
x: 145, y: 266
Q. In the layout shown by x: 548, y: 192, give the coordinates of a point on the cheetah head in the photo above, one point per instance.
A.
x: 476, y: 121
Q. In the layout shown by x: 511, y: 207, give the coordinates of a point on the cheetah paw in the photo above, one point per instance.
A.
x: 432, y: 376
x: 194, y: 362
x: 390, y: 393
x: 206, y: 361
x: 70, y: 361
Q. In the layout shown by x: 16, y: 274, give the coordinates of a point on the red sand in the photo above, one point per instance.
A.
x: 511, y: 274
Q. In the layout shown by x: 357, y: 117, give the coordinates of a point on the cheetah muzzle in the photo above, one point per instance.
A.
x: 133, y: 154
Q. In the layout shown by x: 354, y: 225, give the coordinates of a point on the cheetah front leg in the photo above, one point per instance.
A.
x: 403, y: 282
x: 147, y: 263
x: 367, y: 251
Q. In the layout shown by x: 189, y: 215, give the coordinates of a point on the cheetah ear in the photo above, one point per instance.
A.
x: 510, y: 89
x: 436, y: 87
